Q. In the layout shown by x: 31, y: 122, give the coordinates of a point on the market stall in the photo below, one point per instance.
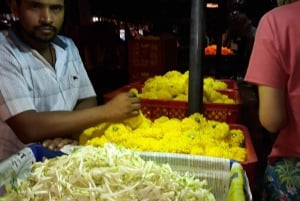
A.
x: 205, y: 171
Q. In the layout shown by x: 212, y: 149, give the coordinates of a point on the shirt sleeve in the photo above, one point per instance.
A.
x: 265, y: 64
x: 13, y: 91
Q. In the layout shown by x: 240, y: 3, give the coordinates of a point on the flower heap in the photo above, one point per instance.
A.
x: 173, y: 85
x: 192, y: 135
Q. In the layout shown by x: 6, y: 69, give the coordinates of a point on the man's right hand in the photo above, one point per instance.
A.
x: 123, y: 106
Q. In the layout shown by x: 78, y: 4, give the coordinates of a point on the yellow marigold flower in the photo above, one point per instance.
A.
x: 218, y: 84
x: 161, y: 120
x: 83, y: 138
x: 236, y: 138
x: 198, y: 117
x: 151, y: 132
x: 117, y: 132
x: 185, y: 86
x: 229, y: 101
x: 172, y: 74
x: 181, y: 97
x: 197, y: 150
x: 170, y: 125
x: 92, y: 132
x: 173, y: 85
x: 239, y: 153
x: 134, y: 91
x: 164, y: 94
x: 134, y: 122
x: 192, y: 135
x: 214, y: 151
x: 97, y: 141
x: 189, y: 124
x: 221, y: 130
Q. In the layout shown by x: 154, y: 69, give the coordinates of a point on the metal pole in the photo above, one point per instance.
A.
x: 196, y: 54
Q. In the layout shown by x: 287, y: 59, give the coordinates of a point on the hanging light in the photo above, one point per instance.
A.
x: 212, y: 5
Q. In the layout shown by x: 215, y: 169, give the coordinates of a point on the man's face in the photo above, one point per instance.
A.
x: 40, y: 20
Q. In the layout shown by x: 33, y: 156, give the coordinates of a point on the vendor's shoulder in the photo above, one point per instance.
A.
x: 64, y: 41
x: 3, y: 35
x: 4, y: 39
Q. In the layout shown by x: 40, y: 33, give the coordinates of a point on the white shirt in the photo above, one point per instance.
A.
x: 29, y: 82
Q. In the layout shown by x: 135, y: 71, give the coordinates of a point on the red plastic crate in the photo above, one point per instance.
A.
x: 251, y: 161
x: 154, y: 108
x: 231, y: 84
x: 151, y: 56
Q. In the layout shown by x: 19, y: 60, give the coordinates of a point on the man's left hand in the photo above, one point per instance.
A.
x: 58, y: 143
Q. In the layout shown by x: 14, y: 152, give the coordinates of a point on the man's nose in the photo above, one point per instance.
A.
x: 46, y: 16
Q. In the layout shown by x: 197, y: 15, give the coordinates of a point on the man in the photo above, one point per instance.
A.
x: 45, y: 92
x: 275, y: 67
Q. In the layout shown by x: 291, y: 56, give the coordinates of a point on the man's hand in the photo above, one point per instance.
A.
x: 58, y: 143
x: 122, y: 106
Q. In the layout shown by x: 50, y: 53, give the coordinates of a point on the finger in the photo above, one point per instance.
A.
x: 135, y: 100
x: 57, y: 140
x: 64, y: 142
x: 135, y: 112
x: 131, y: 94
x: 52, y: 146
x: 46, y: 143
x: 136, y: 106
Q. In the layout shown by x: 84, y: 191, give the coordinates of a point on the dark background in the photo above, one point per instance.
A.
x: 156, y: 10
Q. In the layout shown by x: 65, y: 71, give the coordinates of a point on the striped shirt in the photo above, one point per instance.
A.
x: 29, y: 82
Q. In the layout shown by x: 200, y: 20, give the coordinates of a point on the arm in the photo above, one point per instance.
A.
x: 272, y: 111
x: 32, y: 126
x: 86, y: 103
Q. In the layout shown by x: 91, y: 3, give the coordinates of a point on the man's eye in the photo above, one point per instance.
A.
x: 57, y: 9
x: 35, y: 6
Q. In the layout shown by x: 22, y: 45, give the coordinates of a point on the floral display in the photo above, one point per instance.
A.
x: 192, y: 135
x: 173, y: 85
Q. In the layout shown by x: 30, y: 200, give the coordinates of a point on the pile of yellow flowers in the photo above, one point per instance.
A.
x: 192, y: 135
x: 173, y: 85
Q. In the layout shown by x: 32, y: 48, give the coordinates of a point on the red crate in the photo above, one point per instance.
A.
x: 231, y: 84
x: 151, y: 56
x: 251, y: 161
x: 154, y: 108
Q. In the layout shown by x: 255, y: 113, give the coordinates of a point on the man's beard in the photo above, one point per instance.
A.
x: 43, y: 38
